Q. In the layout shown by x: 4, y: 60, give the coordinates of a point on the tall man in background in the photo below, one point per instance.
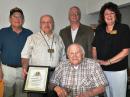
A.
x: 12, y: 40
x: 77, y: 32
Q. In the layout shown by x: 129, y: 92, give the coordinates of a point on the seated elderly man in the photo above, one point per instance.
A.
x: 78, y: 76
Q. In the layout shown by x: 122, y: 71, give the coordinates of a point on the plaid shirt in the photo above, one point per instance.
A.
x: 88, y: 75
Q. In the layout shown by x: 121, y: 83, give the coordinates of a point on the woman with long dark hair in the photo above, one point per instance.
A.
x: 111, y: 48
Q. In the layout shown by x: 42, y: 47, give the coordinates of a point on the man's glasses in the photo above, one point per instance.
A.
x: 17, y: 16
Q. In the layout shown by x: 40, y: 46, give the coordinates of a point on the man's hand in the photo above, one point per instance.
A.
x: 61, y: 92
x: 104, y: 62
x: 25, y: 62
x: 24, y: 72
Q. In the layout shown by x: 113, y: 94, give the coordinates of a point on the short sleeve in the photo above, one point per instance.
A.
x: 26, y: 52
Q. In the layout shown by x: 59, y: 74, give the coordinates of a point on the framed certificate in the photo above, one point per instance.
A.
x: 36, y: 79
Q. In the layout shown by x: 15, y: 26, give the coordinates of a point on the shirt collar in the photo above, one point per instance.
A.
x: 43, y: 33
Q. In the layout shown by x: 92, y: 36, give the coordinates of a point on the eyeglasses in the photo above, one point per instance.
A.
x: 74, y: 14
x: 107, y: 14
x: 46, y: 22
x: 17, y: 16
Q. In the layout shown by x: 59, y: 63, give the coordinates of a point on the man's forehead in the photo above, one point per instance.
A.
x: 46, y: 18
x: 73, y: 9
x: 74, y: 48
x: 17, y: 13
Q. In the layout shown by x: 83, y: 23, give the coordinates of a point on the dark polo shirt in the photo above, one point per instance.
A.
x: 11, y: 45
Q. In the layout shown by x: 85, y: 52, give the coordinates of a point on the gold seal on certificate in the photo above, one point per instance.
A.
x: 37, y: 78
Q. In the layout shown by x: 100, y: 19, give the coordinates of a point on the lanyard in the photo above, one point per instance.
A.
x: 50, y: 49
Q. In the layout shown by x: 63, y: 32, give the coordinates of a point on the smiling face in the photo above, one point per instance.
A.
x: 46, y: 24
x: 75, y: 54
x: 109, y: 17
x: 16, y: 20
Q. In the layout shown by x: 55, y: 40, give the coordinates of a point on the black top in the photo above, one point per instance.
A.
x: 109, y: 45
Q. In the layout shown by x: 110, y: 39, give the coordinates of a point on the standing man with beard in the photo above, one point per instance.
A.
x: 44, y: 48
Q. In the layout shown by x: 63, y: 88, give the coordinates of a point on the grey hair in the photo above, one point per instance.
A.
x: 52, y: 19
x: 81, y: 48
x: 79, y: 11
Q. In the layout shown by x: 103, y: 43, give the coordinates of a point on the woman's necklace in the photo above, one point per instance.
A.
x: 50, y: 49
x: 109, y: 29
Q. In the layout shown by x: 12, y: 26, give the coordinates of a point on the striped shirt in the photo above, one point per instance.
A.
x: 88, y: 75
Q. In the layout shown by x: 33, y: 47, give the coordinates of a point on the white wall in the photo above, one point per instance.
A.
x: 34, y: 9
x: 95, y: 5
x: 125, y: 15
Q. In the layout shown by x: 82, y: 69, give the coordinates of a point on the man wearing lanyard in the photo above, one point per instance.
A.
x: 44, y: 48
x: 12, y: 40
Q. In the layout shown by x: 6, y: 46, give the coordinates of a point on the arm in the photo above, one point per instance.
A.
x: 94, y: 53
x: 93, y: 92
x: 61, y: 92
x: 25, y: 55
x: 98, y: 80
x: 25, y: 63
x: 120, y: 56
x: 55, y: 81
x: 125, y: 39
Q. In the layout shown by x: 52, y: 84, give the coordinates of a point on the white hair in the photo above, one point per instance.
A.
x: 81, y: 48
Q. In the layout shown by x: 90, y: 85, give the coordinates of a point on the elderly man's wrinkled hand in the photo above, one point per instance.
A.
x: 61, y: 92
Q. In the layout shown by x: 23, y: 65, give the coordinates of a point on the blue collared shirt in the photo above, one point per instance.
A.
x: 11, y: 45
